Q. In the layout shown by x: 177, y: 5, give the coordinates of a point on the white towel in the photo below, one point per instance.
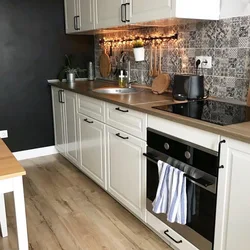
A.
x: 171, y: 197
x: 161, y: 199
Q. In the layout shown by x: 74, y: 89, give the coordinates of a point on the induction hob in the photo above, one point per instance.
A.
x: 216, y: 112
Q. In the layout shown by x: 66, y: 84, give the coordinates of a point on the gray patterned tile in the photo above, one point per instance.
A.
x: 227, y: 41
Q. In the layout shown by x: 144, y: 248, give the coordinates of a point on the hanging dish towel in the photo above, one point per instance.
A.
x: 171, y: 197
x: 160, y: 204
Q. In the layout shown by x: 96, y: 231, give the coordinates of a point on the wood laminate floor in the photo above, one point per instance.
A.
x: 66, y: 210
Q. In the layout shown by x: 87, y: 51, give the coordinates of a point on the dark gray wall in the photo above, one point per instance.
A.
x: 32, y: 48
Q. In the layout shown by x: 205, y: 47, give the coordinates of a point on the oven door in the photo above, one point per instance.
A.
x: 201, y: 202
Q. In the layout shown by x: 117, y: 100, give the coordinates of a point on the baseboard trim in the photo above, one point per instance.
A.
x: 33, y: 153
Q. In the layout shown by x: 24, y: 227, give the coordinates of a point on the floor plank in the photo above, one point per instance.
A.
x: 68, y: 211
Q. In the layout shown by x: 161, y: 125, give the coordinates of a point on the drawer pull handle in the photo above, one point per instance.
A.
x: 121, y: 110
x: 124, y: 138
x: 178, y: 242
x: 86, y: 120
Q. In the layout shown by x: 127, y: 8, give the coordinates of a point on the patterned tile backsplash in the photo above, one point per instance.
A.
x: 227, y: 41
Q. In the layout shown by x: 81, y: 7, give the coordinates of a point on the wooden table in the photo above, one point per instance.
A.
x: 11, y: 173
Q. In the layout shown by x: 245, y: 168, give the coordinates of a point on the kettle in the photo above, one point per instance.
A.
x: 188, y: 87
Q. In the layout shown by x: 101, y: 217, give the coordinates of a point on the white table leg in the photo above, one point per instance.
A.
x: 3, y: 218
x: 20, y: 213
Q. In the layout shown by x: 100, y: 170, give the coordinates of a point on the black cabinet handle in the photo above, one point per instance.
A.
x: 121, y: 110
x: 62, y: 91
x: 86, y: 120
x: 219, y: 152
x: 124, y: 138
x: 178, y: 242
x: 122, y: 7
x: 77, y: 18
x: 59, y: 96
x: 74, y: 22
x: 127, y: 4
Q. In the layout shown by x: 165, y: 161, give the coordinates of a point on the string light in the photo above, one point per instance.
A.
x: 155, y: 40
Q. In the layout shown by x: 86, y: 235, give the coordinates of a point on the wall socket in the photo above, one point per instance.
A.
x: 4, y: 134
x: 207, y: 59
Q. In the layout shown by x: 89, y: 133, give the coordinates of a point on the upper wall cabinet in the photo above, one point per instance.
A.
x: 79, y: 15
x: 148, y: 10
x: 86, y: 15
x: 232, y: 8
x: 110, y: 13
x: 196, y: 9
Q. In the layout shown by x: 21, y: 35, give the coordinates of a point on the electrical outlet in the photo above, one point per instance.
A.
x: 204, y: 59
x: 4, y: 134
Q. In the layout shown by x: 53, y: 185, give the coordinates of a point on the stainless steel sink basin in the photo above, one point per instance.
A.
x: 117, y: 91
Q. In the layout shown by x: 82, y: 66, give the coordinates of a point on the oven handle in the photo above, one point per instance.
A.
x: 166, y: 233
x: 200, y: 181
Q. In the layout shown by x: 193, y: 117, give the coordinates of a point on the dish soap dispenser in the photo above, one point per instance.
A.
x: 122, y: 80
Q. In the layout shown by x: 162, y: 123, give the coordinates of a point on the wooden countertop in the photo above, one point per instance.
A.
x: 9, y: 166
x: 145, y: 99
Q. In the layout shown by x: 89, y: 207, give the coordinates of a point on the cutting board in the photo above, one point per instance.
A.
x: 105, y: 64
x: 161, y: 84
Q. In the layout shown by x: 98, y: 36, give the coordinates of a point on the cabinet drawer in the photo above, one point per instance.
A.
x: 91, y: 107
x: 130, y: 121
x: 159, y: 227
x: 194, y: 135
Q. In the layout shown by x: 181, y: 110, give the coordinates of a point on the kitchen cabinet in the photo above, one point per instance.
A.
x: 110, y: 13
x: 58, y: 118
x: 70, y: 8
x: 79, y: 15
x: 233, y: 205
x: 127, y: 120
x: 232, y: 8
x: 127, y: 170
x: 71, y: 126
x: 65, y: 124
x: 148, y: 10
x: 92, y: 149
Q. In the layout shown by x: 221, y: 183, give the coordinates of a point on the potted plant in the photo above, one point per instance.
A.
x: 67, y: 71
x: 139, y: 50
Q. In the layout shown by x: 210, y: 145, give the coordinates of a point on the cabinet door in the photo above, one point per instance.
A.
x: 59, y: 120
x: 70, y: 7
x: 86, y: 15
x: 92, y: 148
x: 233, y: 203
x: 148, y: 10
x: 126, y: 170
x: 108, y: 13
x: 71, y: 127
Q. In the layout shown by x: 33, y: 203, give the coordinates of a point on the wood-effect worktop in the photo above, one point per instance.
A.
x: 144, y: 100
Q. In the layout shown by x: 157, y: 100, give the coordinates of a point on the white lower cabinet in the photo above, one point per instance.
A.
x: 58, y: 119
x: 71, y: 133
x: 65, y: 124
x: 172, y: 238
x: 92, y: 149
x: 127, y: 170
x: 233, y: 206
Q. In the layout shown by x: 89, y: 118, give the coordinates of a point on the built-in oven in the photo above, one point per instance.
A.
x: 201, y: 170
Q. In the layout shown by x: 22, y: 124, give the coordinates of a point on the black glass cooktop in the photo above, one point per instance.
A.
x: 219, y: 113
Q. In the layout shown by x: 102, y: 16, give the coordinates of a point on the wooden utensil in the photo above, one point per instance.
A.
x: 105, y: 65
x: 159, y: 67
x: 248, y: 98
x: 151, y: 62
x: 161, y: 84
x: 155, y: 70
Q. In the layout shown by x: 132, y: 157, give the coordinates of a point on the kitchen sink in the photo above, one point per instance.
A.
x: 117, y: 91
